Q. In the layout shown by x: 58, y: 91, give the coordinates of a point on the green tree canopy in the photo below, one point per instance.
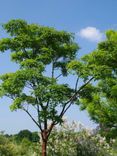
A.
x: 46, y: 59
x: 100, y: 99
x: 43, y: 55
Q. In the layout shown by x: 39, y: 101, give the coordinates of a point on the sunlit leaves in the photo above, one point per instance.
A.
x: 15, y: 27
x: 39, y: 40
x: 34, y: 47
x: 102, y: 64
x: 78, y: 68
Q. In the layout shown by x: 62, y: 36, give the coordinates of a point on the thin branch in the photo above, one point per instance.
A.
x: 85, y: 84
x: 32, y: 118
x: 53, y: 69
x: 47, y: 103
x: 76, y: 85
x: 58, y: 76
x: 39, y: 116
x: 39, y: 101
x: 66, y: 109
x: 77, y: 92
x: 29, y: 87
x: 72, y: 98
x: 45, y: 123
x: 44, y: 108
x: 50, y: 128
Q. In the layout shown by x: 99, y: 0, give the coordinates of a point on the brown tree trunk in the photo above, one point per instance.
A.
x: 44, y: 142
x: 44, y: 148
x: 45, y: 135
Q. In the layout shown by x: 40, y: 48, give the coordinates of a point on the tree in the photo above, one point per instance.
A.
x: 35, y: 137
x: 24, y: 134
x: 45, y: 56
x: 101, y: 102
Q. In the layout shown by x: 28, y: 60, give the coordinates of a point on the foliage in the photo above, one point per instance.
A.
x: 69, y: 139
x: 74, y: 139
x: 26, y: 134
x: 100, y: 99
x: 46, y: 57
x: 10, y: 148
x: 34, y: 48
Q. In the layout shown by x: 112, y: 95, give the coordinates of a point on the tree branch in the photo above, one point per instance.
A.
x: 32, y: 118
x: 50, y: 128
x: 73, y: 97
x: 39, y: 121
x: 76, y: 85
x: 77, y: 92
x: 58, y: 76
x: 53, y: 69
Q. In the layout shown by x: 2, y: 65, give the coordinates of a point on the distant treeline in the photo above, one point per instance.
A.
x: 24, y: 134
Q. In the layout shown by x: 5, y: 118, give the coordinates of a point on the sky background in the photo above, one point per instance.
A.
x: 87, y: 19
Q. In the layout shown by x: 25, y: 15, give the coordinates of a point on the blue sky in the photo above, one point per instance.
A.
x: 88, y: 19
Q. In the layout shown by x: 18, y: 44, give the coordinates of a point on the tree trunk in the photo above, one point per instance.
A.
x: 44, y: 148
x: 45, y: 135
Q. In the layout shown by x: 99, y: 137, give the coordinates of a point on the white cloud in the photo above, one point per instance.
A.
x: 91, y: 33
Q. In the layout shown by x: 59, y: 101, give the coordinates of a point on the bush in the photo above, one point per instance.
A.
x: 75, y: 140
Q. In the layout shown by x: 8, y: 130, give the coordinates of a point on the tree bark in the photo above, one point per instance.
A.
x: 44, y: 142
x: 45, y: 135
x: 44, y: 148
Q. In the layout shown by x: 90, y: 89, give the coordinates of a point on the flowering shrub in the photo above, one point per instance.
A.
x: 75, y: 140
x: 67, y: 140
x: 92, y: 145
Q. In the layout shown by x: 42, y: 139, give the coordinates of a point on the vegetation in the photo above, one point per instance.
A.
x: 39, y: 50
x: 69, y: 139
x: 101, y: 102
x: 47, y: 58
